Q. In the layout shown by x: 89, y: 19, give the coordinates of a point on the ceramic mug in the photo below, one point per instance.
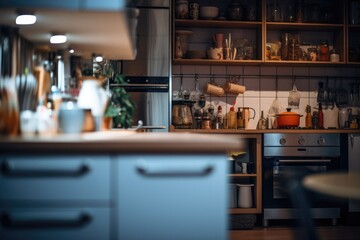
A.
x: 70, y: 118
x: 215, y: 53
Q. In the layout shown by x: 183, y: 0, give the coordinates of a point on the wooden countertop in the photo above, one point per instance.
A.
x: 249, y: 131
x: 121, y: 142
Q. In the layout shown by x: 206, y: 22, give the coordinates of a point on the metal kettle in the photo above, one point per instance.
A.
x: 181, y: 113
x: 246, y: 115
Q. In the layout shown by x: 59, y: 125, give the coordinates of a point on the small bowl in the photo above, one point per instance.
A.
x: 209, y: 12
x: 196, y: 54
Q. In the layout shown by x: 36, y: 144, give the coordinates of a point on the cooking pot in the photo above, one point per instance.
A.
x: 288, y: 119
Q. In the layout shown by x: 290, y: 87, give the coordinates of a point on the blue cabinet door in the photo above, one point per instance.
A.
x: 172, y: 197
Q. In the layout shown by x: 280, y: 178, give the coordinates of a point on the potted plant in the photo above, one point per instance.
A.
x: 120, y: 108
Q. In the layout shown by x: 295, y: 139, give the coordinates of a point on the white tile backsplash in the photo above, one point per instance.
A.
x: 261, y: 91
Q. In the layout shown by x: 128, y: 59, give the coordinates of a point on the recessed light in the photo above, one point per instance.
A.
x: 58, y: 38
x: 71, y: 50
x: 25, y: 19
x: 99, y: 59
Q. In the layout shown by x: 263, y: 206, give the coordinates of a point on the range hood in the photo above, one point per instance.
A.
x: 105, y: 27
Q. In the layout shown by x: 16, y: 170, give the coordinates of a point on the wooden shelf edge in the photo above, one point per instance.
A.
x: 244, y: 210
x: 215, y: 62
x: 217, y: 23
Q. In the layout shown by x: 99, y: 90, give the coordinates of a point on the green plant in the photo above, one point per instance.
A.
x: 120, y: 107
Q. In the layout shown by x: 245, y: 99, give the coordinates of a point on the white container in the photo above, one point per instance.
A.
x: 245, y: 199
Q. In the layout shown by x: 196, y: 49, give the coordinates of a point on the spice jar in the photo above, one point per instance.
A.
x: 205, y: 123
x: 334, y: 55
x: 324, y: 51
x: 312, y: 55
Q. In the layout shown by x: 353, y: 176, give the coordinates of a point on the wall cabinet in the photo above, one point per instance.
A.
x: 283, y: 32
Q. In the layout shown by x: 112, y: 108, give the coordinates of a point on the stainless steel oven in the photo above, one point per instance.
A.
x: 297, y: 153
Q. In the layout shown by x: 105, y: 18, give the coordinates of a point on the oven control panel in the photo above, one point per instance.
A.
x: 301, y: 145
x: 298, y: 139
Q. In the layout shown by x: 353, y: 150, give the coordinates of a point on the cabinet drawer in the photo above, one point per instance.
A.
x: 57, y: 178
x: 53, y: 224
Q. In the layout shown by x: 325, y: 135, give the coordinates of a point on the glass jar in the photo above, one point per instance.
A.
x: 182, y: 9
x: 324, y: 54
x: 235, y: 11
x: 334, y: 55
x: 205, y: 123
x: 312, y: 54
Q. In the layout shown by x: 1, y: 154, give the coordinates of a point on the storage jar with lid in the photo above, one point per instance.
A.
x: 334, y: 55
x: 182, y: 9
x: 235, y: 11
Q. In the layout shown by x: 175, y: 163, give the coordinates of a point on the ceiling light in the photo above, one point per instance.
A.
x: 71, y: 50
x: 99, y: 59
x: 58, y: 38
x: 25, y: 19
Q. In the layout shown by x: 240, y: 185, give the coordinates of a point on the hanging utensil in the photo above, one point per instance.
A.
x: 294, y: 97
x: 274, y: 108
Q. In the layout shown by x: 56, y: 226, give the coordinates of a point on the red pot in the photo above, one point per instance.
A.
x: 288, y: 119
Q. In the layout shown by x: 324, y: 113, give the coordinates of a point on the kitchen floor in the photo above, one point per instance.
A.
x: 285, y: 233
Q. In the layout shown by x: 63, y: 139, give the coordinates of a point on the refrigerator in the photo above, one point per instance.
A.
x: 147, y: 77
x: 354, y: 164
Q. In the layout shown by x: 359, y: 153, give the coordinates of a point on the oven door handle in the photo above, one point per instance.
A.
x: 304, y: 161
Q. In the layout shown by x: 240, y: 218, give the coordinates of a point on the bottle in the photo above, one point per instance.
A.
x: 320, y: 117
x: 315, y: 120
x: 219, y: 119
x: 262, y: 122
x: 308, y: 118
x: 300, y: 11
x: 205, y: 123
x: 232, y: 119
x: 240, y: 119
x: 324, y: 53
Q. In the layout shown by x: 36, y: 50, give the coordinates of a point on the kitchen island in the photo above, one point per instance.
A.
x: 115, y: 185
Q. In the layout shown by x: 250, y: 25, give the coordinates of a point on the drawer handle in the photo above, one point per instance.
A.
x: 16, y: 171
x: 45, y: 220
x: 171, y: 172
